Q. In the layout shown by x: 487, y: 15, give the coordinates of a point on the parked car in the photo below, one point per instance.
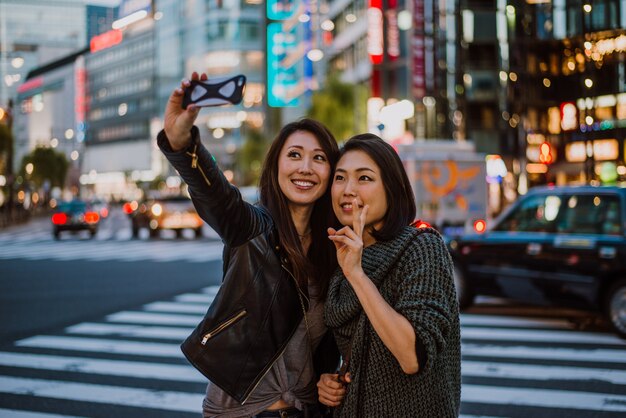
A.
x: 174, y: 212
x: 74, y: 216
x: 563, y: 246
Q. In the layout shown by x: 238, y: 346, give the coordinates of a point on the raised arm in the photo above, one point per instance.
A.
x: 217, y: 201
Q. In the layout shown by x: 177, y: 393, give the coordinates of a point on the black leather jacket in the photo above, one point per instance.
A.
x: 259, y: 305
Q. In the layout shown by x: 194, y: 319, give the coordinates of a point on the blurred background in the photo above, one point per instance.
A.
x: 105, y: 267
x: 537, y: 87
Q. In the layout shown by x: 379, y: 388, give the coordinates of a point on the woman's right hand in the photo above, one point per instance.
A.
x: 178, y: 121
x: 330, y: 390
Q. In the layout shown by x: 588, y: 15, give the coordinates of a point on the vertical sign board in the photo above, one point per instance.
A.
x: 80, y: 98
x: 375, y: 34
x: 281, y: 9
x: 393, y: 32
x: 429, y: 45
x: 280, y: 80
x: 286, y: 79
x: 418, y: 51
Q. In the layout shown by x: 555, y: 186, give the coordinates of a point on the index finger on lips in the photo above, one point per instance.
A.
x: 356, y: 216
x: 362, y: 217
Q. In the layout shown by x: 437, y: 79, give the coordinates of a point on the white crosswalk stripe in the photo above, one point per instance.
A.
x: 509, y: 364
x: 103, y: 250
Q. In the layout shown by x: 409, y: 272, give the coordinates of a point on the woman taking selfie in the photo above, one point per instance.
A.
x: 262, y: 343
x: 392, y: 306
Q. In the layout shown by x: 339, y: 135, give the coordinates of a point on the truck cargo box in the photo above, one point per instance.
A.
x: 449, y: 182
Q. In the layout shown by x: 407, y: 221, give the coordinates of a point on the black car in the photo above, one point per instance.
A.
x: 75, y: 215
x: 562, y: 246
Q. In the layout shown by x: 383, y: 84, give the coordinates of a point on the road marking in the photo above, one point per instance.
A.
x: 136, y: 331
x: 13, y: 413
x: 552, y: 336
x: 499, y: 321
x: 95, y: 250
x: 210, y: 290
x: 126, y: 396
x: 539, y: 353
x: 180, y: 373
x: 154, y: 318
x: 176, y: 307
x: 545, y: 398
x: 534, y: 372
x: 195, y: 298
x: 102, y: 345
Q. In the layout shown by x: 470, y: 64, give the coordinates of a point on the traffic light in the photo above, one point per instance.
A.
x: 545, y: 153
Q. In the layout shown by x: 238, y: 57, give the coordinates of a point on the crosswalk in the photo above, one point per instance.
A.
x: 108, y: 244
x: 129, y: 364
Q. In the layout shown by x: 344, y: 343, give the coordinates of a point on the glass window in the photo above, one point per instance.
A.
x: 592, y: 214
x: 534, y: 214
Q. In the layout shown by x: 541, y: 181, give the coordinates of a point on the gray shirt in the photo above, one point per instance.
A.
x: 291, y: 378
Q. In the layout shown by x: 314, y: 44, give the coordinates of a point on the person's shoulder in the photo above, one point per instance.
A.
x: 423, y: 234
x: 427, y: 241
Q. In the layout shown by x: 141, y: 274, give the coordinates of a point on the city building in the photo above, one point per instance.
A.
x: 222, y: 39
x: 133, y: 69
x: 48, y: 111
x: 408, y: 56
x: 30, y: 37
x: 123, y: 108
x: 99, y: 19
x: 567, y: 85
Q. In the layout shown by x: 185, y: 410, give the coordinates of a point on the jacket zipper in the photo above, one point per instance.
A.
x: 271, y: 363
x: 194, y: 164
x: 221, y: 327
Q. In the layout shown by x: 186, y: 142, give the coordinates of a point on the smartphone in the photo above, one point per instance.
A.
x: 215, y: 92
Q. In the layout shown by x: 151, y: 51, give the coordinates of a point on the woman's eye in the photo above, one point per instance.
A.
x: 338, y: 177
x: 293, y: 154
x: 320, y: 157
x: 365, y: 178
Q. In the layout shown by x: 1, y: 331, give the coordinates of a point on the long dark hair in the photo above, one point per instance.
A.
x: 321, y: 260
x: 400, y: 199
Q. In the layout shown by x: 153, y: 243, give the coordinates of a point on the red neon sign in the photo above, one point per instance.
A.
x: 30, y: 84
x: 105, y: 40
x: 375, y: 34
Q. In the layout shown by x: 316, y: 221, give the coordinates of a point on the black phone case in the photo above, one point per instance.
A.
x: 215, y: 92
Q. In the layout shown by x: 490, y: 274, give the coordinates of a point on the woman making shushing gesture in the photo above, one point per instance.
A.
x: 392, y: 304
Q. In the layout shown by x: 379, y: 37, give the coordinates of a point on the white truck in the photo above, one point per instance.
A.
x: 449, y: 182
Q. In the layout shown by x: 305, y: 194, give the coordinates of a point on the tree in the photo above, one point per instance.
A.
x: 6, y: 139
x: 251, y: 155
x: 341, y: 107
x: 6, y: 142
x: 47, y: 164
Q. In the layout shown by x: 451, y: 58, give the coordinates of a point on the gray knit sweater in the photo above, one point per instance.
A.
x: 413, y: 273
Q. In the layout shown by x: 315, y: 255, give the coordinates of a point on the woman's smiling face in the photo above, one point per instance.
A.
x: 358, y: 177
x: 303, y: 169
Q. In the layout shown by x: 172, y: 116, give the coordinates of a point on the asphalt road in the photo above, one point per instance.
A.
x: 92, y: 327
x: 37, y: 297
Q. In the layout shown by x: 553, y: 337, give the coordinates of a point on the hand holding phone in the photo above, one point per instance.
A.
x: 215, y: 92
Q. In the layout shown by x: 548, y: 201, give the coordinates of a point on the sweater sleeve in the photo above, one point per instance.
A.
x: 218, y: 202
x: 426, y: 296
